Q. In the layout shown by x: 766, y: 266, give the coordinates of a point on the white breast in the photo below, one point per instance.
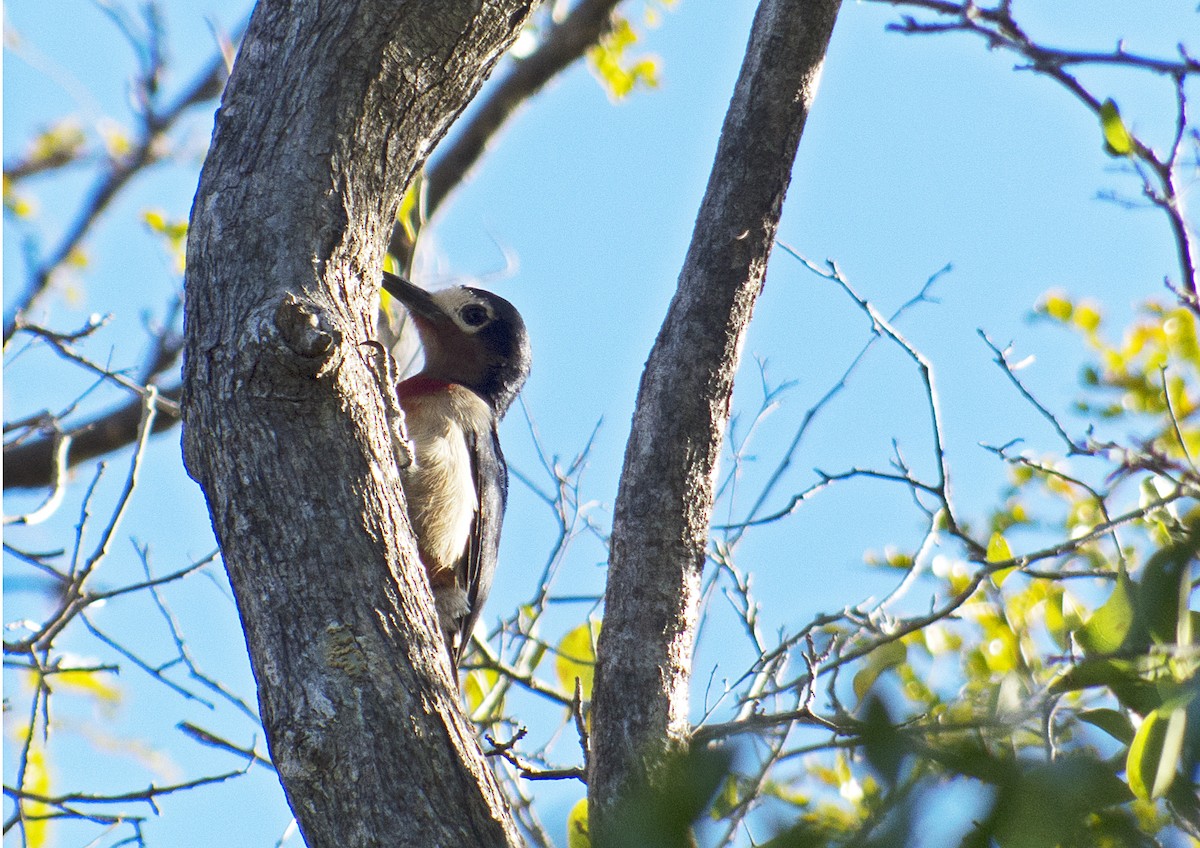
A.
x: 440, y: 485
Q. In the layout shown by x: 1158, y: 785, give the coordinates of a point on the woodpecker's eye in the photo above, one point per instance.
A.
x: 473, y: 315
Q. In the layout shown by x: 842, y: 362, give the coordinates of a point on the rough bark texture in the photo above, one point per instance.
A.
x: 664, y: 504
x: 330, y: 109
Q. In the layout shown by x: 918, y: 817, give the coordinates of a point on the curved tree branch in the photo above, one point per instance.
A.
x: 31, y: 464
x: 32, y: 460
x: 562, y: 47
x: 1160, y: 177
x: 664, y: 504
x: 328, y: 113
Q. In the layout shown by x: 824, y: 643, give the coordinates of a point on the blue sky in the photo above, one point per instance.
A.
x: 919, y: 152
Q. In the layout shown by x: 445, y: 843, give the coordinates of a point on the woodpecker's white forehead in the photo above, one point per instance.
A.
x: 453, y: 299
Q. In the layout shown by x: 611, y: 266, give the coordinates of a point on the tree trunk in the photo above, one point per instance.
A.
x: 664, y: 504
x: 330, y: 109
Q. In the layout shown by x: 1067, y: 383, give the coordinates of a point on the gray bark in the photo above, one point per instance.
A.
x: 330, y: 109
x: 664, y: 504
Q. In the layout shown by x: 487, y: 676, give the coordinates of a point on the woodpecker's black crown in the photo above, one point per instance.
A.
x: 502, y: 332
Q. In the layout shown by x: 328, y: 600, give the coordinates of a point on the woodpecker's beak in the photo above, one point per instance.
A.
x: 469, y: 337
x: 449, y: 354
x: 418, y: 301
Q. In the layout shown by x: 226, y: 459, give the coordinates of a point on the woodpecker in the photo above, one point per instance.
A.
x: 476, y: 361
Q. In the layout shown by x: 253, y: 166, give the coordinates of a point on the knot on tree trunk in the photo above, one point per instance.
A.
x: 304, y: 329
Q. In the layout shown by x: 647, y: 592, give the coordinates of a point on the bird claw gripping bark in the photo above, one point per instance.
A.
x: 386, y: 374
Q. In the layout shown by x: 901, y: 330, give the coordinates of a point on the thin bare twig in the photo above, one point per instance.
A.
x: 63, y: 347
x: 752, y: 517
x: 205, y: 737
x: 145, y: 150
x: 1000, y: 30
x: 505, y: 750
x: 147, y: 795
x: 1187, y: 454
x: 181, y: 648
x: 1000, y: 357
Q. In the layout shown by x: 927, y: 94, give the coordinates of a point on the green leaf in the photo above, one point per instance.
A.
x: 1062, y: 617
x: 477, y: 686
x: 37, y: 780
x: 1089, y: 673
x: 1154, y: 754
x: 884, y: 657
x: 94, y: 684
x: 411, y: 217
x: 882, y: 743
x: 1164, y: 590
x: 411, y: 213
x: 1057, y: 306
x: 1046, y: 804
x: 801, y: 835
x: 1117, y: 140
x: 576, y: 658
x: 998, y: 549
x: 610, y: 61
x: 157, y: 221
x: 578, y: 835
x: 1113, y: 722
x: 726, y: 799
x: 1121, y: 677
x: 1108, y: 627
x: 1087, y: 316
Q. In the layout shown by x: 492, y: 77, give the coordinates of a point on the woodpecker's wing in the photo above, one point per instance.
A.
x: 478, y: 565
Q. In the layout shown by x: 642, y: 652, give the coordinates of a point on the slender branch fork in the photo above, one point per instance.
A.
x: 38, y: 656
x: 43, y: 447
x: 1158, y: 170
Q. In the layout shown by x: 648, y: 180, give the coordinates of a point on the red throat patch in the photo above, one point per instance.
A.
x: 420, y: 385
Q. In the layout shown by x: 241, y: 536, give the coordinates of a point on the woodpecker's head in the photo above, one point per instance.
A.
x: 470, y: 336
